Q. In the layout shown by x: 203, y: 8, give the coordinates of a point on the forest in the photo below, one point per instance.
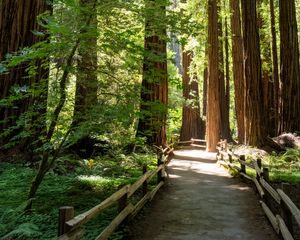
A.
x: 90, y: 90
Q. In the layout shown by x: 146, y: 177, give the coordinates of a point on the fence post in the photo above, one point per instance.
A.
x: 259, y: 165
x: 159, y: 162
x: 266, y: 174
x: 145, y: 184
x: 243, y: 167
x: 65, y: 214
x: 230, y: 158
x: 122, y: 202
x: 285, y: 213
x: 226, y: 145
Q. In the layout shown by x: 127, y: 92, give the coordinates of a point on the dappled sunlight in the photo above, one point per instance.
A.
x: 196, y: 154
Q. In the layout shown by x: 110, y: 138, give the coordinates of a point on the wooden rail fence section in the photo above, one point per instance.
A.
x: 70, y: 226
x: 282, y: 222
x: 194, y: 143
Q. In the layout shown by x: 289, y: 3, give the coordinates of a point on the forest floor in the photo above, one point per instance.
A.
x: 202, y: 201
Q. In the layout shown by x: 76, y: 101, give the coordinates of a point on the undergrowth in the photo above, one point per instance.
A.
x: 90, y: 182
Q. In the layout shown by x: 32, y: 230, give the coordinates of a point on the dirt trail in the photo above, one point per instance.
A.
x: 202, y: 201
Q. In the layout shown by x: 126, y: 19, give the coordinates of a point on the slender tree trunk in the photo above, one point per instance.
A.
x: 18, y: 20
x: 213, y: 84
x: 86, y: 82
x: 224, y: 106
x: 238, y: 68
x: 227, y: 82
x: 204, y: 102
x: 192, y: 124
x: 254, y: 112
x: 268, y: 87
x: 154, y: 92
x: 289, y: 66
x: 275, y: 73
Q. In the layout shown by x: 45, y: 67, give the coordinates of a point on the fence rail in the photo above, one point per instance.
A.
x: 70, y: 226
x: 281, y: 222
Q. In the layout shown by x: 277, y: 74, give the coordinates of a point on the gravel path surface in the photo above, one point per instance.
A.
x: 202, y: 201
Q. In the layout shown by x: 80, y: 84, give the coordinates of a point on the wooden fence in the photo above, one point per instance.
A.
x: 70, y: 226
x: 285, y: 210
x: 193, y: 143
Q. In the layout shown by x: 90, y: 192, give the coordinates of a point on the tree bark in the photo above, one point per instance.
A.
x: 267, y: 81
x: 86, y: 77
x: 275, y: 73
x: 238, y: 68
x: 254, y: 112
x: 154, y: 92
x: 213, y: 84
x: 289, y: 66
x: 192, y: 124
x: 224, y: 106
x: 227, y: 82
x: 17, y: 21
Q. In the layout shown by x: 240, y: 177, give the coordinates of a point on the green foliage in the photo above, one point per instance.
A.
x: 284, y: 167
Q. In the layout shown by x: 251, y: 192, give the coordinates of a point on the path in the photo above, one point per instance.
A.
x: 202, y: 201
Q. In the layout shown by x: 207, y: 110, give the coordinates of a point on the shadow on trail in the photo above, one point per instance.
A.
x: 201, y: 201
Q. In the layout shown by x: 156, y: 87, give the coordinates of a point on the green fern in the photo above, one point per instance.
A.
x: 23, y: 231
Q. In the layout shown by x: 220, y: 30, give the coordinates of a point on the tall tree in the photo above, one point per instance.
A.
x: 213, y: 84
x: 86, y: 78
x: 266, y: 59
x: 154, y: 92
x: 224, y: 101
x: 238, y: 67
x: 18, y: 22
x: 254, y: 112
x: 192, y: 124
x: 289, y: 66
x: 275, y: 71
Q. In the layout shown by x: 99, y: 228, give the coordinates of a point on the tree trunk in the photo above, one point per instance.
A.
x: 154, y: 92
x: 238, y: 68
x: 289, y: 66
x: 86, y: 77
x: 204, y: 102
x: 213, y: 84
x: 275, y: 74
x: 17, y: 21
x: 268, y: 87
x: 227, y: 83
x: 254, y: 112
x: 192, y: 124
x: 224, y: 106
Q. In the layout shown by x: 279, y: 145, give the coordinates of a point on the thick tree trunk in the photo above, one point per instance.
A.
x: 18, y: 20
x: 254, y: 112
x: 289, y: 66
x: 154, y: 92
x: 238, y: 68
x: 192, y: 124
x: 275, y: 73
x: 213, y: 84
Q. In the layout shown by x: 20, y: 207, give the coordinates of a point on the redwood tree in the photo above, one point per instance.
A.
x: 18, y: 21
x: 192, y: 124
x: 154, y: 92
x: 289, y: 66
x: 238, y: 67
x: 213, y: 85
x: 254, y: 112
